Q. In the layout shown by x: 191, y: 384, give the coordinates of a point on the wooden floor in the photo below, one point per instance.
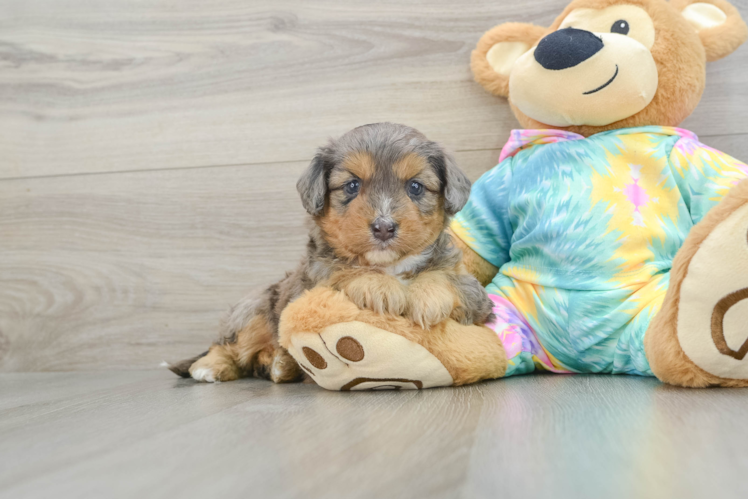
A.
x: 148, y: 159
x: 146, y: 434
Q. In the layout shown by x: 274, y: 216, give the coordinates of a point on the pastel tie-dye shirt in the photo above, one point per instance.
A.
x: 584, y: 231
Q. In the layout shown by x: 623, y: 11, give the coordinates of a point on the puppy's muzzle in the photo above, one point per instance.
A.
x: 383, y: 229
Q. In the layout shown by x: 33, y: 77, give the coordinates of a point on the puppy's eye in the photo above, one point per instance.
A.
x: 415, y: 188
x: 621, y: 27
x: 352, y: 187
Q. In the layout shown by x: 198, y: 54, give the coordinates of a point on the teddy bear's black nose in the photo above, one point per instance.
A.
x: 566, y: 48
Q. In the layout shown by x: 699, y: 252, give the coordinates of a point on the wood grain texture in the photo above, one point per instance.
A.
x: 146, y: 434
x: 148, y: 157
x: 124, y: 270
x: 149, y: 150
x: 89, y: 86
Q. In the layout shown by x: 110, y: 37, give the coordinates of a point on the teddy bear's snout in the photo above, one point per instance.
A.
x: 566, y: 48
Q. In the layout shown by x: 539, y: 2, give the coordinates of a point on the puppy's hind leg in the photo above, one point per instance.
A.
x: 248, y: 347
x: 249, y: 352
x: 257, y: 353
x: 218, y: 365
x: 251, y: 330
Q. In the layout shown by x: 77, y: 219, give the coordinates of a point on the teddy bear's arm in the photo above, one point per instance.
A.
x: 704, y: 175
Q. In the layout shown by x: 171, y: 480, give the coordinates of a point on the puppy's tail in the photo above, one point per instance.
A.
x: 182, y: 368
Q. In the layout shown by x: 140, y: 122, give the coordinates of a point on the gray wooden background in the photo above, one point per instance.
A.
x: 149, y: 150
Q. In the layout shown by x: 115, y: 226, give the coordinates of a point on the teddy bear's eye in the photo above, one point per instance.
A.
x: 621, y: 27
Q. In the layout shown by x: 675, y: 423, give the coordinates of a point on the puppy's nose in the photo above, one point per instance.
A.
x: 566, y: 48
x: 383, y: 229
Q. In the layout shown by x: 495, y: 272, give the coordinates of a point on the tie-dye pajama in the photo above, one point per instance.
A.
x: 584, y: 231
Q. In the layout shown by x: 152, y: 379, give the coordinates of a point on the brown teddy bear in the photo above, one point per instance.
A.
x: 608, y: 240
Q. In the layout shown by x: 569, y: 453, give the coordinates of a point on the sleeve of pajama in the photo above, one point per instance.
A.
x: 704, y: 175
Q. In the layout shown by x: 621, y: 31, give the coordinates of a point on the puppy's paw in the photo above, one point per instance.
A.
x: 381, y: 293
x: 429, y: 303
x: 284, y: 368
x: 214, y: 367
x: 204, y: 375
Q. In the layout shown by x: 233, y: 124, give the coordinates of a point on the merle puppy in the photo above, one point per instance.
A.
x: 380, y: 198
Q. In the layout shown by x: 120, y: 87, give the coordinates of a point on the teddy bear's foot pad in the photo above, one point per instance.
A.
x: 713, y: 311
x: 357, y: 356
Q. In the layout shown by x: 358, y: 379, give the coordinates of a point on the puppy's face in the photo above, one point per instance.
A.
x: 387, y: 192
x: 382, y: 211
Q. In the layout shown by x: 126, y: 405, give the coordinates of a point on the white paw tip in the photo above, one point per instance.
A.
x: 203, y: 375
x: 164, y: 364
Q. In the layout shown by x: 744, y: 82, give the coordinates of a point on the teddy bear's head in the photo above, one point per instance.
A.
x: 607, y: 64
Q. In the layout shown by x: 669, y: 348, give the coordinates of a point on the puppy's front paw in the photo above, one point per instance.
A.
x: 381, y: 293
x: 429, y: 305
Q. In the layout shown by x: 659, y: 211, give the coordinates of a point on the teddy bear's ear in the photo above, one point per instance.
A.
x: 718, y: 24
x: 496, y: 52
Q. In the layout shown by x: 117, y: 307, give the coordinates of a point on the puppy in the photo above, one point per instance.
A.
x: 380, y: 199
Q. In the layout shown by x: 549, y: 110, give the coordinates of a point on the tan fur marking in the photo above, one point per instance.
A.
x: 409, y: 166
x: 349, y: 234
x: 414, y: 166
x: 417, y: 230
x: 339, y: 177
x: 361, y: 164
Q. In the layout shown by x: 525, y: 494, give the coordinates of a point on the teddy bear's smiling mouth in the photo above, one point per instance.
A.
x: 603, y: 85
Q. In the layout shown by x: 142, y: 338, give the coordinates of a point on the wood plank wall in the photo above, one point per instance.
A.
x: 149, y: 150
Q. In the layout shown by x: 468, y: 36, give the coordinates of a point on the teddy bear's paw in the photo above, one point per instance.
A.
x: 713, y: 310
x: 357, y: 356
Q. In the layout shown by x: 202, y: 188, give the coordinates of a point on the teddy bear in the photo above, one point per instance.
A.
x: 608, y: 239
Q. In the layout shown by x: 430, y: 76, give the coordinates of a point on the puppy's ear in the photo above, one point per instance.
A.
x: 312, y: 186
x: 456, y: 185
x: 496, y: 52
x: 718, y: 24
